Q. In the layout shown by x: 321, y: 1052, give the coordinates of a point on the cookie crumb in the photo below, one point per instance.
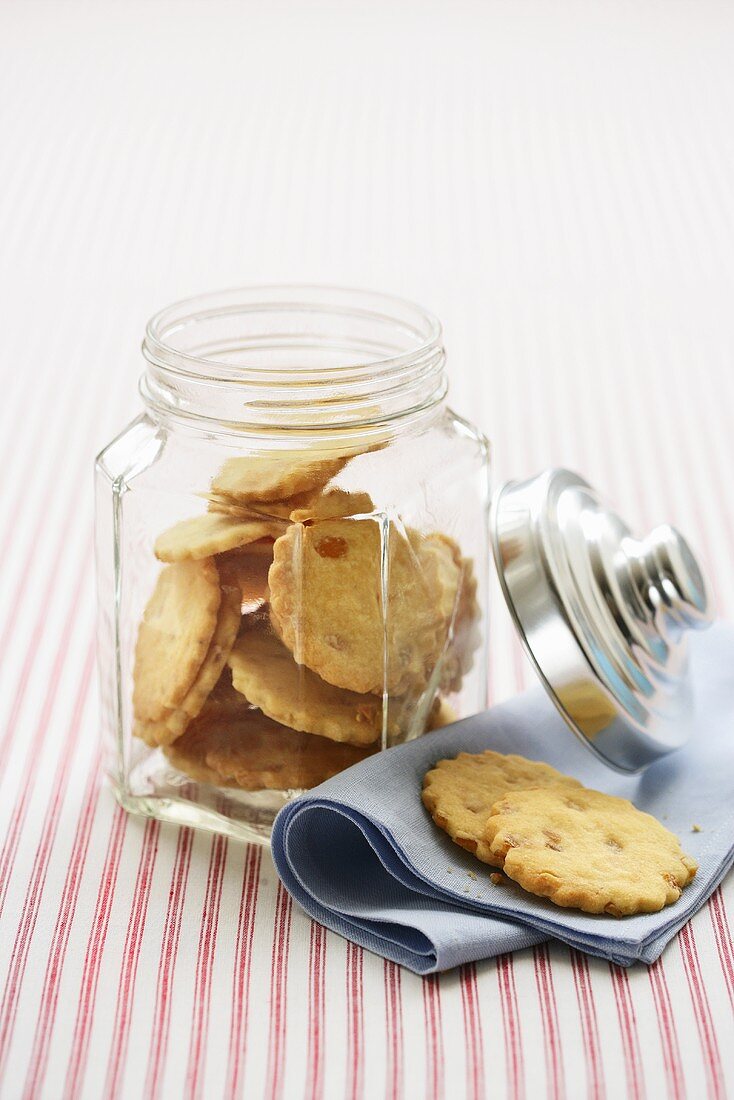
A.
x: 449, y: 870
x: 696, y: 829
x: 472, y: 875
x: 496, y: 878
x: 466, y: 889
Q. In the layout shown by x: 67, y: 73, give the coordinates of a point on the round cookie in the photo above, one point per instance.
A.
x: 212, y: 533
x: 587, y: 850
x: 331, y: 505
x: 282, y: 509
x: 275, y: 475
x: 237, y: 746
x: 188, y: 755
x: 326, y: 603
x: 459, y: 607
x: 174, y: 636
x: 459, y: 793
x: 466, y: 635
x: 304, y: 507
x: 174, y: 722
x: 265, y: 672
x: 443, y: 566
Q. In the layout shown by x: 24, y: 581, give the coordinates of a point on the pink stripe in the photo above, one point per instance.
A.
x: 589, y: 1027
x: 62, y: 931
x: 434, y: 1037
x: 315, y: 1038
x: 23, y: 479
x: 355, y: 1023
x: 93, y: 958
x: 204, y: 964
x: 702, y: 1010
x: 12, y: 522
x: 511, y: 1023
x: 473, y: 1041
x: 242, y: 971
x: 724, y: 945
x: 36, y: 540
x: 668, y: 1034
x: 393, y: 1031
x: 12, y: 839
x: 130, y: 959
x: 278, y: 992
x: 36, y: 885
x: 167, y: 962
x: 628, y: 1028
x: 555, y: 1086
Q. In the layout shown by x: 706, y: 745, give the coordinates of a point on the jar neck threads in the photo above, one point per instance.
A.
x: 293, y: 358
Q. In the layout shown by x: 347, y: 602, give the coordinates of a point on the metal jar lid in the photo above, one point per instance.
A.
x: 602, y: 615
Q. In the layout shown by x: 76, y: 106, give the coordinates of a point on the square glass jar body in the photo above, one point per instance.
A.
x: 292, y: 559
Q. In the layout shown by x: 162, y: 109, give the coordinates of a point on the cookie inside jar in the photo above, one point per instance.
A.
x: 295, y: 628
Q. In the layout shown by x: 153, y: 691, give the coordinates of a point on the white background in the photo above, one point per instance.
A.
x: 555, y: 181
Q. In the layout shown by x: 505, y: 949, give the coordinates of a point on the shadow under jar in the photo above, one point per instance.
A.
x: 292, y: 552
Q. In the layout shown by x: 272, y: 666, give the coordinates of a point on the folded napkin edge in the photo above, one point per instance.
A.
x: 560, y: 929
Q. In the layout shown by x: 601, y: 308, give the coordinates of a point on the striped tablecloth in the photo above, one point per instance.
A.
x: 555, y: 181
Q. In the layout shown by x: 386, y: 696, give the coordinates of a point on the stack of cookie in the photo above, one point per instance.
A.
x: 554, y: 837
x: 293, y: 630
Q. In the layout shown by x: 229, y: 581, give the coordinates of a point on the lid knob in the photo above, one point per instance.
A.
x: 668, y: 580
x: 602, y: 614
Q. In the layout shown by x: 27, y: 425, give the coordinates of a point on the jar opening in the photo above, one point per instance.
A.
x: 293, y: 356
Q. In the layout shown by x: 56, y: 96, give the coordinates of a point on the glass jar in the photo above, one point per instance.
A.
x: 292, y: 552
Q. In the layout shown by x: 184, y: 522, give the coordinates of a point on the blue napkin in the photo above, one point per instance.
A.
x: 361, y: 855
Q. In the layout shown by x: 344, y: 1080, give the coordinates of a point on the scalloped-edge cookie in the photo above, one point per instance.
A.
x: 174, y: 636
x: 276, y: 475
x: 459, y: 793
x: 326, y: 602
x: 234, y: 745
x: 587, y: 850
x: 264, y: 671
x: 174, y: 722
x: 331, y: 505
x: 212, y: 533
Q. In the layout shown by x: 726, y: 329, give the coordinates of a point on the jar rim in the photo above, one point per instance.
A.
x: 293, y: 355
x: 158, y: 349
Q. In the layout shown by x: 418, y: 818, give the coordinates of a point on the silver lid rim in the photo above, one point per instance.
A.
x: 602, y: 615
x: 509, y: 602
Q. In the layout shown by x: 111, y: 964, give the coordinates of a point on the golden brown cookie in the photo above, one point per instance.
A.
x: 281, y: 509
x: 188, y: 755
x: 466, y: 633
x: 327, y: 606
x: 459, y: 793
x: 444, y: 560
x: 234, y: 745
x: 331, y: 505
x: 223, y: 507
x: 272, y: 509
x: 265, y: 672
x: 174, y: 722
x: 586, y: 850
x: 316, y: 504
x: 275, y: 475
x: 459, y: 608
x: 212, y: 533
x: 174, y: 636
